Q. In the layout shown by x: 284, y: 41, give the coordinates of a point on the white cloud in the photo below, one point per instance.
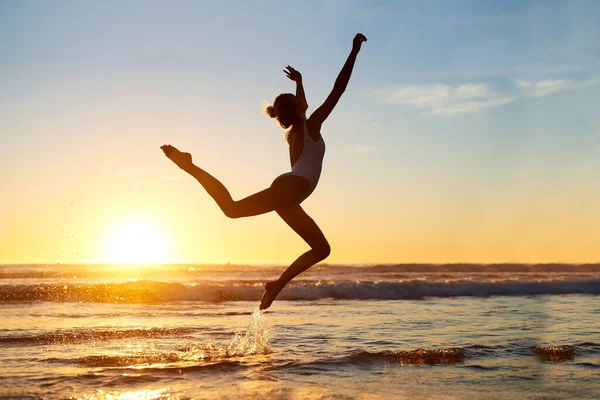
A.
x: 540, y: 88
x: 472, y: 91
x: 470, y: 97
x: 549, y: 86
x: 590, y: 82
x: 472, y: 106
x: 448, y: 100
x: 504, y: 71
x: 362, y: 149
x: 419, y: 96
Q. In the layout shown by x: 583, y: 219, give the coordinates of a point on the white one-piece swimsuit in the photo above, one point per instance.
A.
x: 310, y: 162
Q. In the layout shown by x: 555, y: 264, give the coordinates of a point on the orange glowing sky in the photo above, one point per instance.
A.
x: 476, y: 144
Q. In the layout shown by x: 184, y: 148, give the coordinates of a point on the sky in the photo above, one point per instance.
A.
x: 469, y: 131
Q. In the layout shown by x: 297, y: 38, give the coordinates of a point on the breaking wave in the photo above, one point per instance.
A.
x: 212, y: 356
x: 419, y: 356
x: 565, y: 352
x: 148, y: 292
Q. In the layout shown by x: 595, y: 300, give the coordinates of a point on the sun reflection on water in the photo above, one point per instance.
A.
x: 142, y: 394
x: 253, y: 341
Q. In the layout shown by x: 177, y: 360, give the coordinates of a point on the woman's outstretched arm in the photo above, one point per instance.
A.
x: 321, y: 113
x: 296, y: 76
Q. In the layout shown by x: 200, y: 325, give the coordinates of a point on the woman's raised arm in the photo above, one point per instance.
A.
x: 320, y: 115
x: 296, y: 76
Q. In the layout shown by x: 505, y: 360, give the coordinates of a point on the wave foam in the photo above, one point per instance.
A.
x: 157, y: 292
x: 418, y: 356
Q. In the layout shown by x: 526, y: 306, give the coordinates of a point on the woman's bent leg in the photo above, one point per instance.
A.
x: 306, y: 227
x: 284, y: 191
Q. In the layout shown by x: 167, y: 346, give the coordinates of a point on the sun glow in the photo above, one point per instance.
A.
x: 140, y: 241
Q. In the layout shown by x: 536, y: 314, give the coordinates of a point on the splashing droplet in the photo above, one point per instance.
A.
x: 254, y: 341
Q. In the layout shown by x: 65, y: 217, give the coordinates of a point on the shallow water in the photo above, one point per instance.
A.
x: 336, y: 337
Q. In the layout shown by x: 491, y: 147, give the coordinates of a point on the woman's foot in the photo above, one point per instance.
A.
x: 272, y: 289
x: 182, y: 160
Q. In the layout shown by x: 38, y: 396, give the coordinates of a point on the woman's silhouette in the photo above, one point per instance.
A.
x: 288, y: 190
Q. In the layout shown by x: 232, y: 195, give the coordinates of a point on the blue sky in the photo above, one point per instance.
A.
x: 461, y: 118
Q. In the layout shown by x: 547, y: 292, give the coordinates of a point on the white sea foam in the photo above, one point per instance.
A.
x: 157, y: 292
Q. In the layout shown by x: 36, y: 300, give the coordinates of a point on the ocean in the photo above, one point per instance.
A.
x: 409, y: 331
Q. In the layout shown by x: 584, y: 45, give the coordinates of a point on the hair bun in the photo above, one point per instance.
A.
x: 271, y: 112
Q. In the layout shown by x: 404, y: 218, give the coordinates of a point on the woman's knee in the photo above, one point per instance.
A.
x: 323, y: 250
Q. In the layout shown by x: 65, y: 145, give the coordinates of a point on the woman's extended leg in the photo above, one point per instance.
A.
x: 285, y: 191
x: 307, y: 228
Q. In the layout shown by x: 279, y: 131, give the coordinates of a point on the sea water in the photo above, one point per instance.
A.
x: 337, y: 332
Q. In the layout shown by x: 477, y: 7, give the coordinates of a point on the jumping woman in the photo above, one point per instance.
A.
x: 287, y: 191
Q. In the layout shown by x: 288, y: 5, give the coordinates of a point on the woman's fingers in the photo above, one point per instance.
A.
x: 291, y: 73
x: 358, y: 41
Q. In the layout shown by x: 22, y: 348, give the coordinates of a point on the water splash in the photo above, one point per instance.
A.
x: 254, y: 341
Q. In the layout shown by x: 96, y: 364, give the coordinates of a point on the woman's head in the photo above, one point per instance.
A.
x: 286, y: 108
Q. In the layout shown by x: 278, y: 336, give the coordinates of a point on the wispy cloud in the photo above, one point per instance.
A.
x: 362, y: 149
x: 549, y: 86
x: 528, y: 70
x: 443, y: 99
x: 541, y: 88
x: 448, y: 100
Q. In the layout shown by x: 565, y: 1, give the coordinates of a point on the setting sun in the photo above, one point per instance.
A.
x: 136, y: 241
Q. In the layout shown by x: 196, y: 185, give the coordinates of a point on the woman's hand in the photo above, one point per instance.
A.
x: 293, y: 74
x: 357, y: 42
